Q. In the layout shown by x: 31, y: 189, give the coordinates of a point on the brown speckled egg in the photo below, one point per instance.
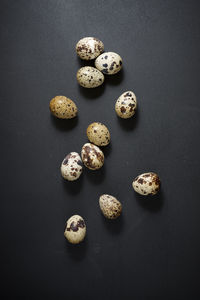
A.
x: 89, y: 48
x: 110, y: 206
x: 146, y: 184
x: 89, y: 77
x: 63, y: 107
x: 109, y: 63
x: 71, y: 167
x: 98, y: 134
x: 126, y: 105
x: 92, y: 156
x: 75, y: 230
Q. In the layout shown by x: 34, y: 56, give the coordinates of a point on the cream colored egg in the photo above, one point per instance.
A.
x: 71, y: 167
x: 92, y: 156
x: 110, y: 206
x: 63, y: 107
x: 146, y: 184
x: 98, y: 134
x: 89, y: 77
x: 75, y: 230
x: 89, y: 48
x: 126, y: 105
x: 109, y: 63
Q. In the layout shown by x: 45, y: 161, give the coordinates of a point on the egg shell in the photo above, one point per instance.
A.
x: 63, y: 107
x: 89, y: 48
x: 75, y: 230
x: 89, y: 77
x: 98, y: 134
x: 110, y: 206
x: 92, y: 156
x: 126, y: 105
x: 109, y: 63
x: 146, y: 184
x: 71, y: 167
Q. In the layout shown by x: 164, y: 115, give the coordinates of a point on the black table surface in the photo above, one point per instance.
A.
x: 152, y: 250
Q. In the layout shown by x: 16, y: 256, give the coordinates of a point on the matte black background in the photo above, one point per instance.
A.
x: 152, y: 250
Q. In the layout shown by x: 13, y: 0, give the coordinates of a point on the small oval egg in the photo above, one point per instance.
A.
x: 89, y: 77
x: 98, y: 134
x: 63, y: 107
x: 126, y: 105
x: 89, y: 48
x: 75, y: 230
x: 109, y: 63
x: 146, y: 184
x: 110, y: 206
x: 71, y: 167
x: 92, y: 156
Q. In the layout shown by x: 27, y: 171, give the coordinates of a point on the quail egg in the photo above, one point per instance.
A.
x: 146, y: 184
x: 126, y: 105
x: 71, y: 167
x: 75, y: 230
x: 92, y: 156
x: 89, y: 77
x: 63, y: 107
x: 109, y: 63
x: 110, y: 206
x: 89, y: 48
x: 98, y: 134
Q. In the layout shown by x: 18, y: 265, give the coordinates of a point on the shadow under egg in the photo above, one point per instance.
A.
x: 153, y: 203
x: 77, y: 251
x: 95, y: 176
x: 92, y: 93
x: 114, y: 226
x: 73, y: 187
x: 115, y: 79
x: 130, y: 123
x: 106, y: 149
x: 84, y: 63
x: 64, y: 124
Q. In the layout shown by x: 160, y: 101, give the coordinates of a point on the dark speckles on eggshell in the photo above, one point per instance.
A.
x: 70, y: 168
x: 140, y: 180
x: 104, y: 71
x: 98, y: 134
x: 63, y: 107
x: 89, y: 48
x: 90, y: 78
x: 110, y: 206
x: 123, y: 109
x: 128, y: 95
x: 108, y: 64
x: 125, y: 106
x: 92, y: 156
x: 146, y: 184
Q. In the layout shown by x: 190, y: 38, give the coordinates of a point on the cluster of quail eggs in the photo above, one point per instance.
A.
x: 91, y: 156
x: 107, y: 63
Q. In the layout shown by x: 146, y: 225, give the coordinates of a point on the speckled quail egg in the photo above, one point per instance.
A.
x: 98, y: 134
x: 92, y: 156
x: 75, y: 230
x: 63, y: 107
x: 126, y: 105
x: 109, y: 63
x: 89, y: 77
x: 71, y: 167
x: 146, y: 184
x: 89, y: 48
x: 110, y: 206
